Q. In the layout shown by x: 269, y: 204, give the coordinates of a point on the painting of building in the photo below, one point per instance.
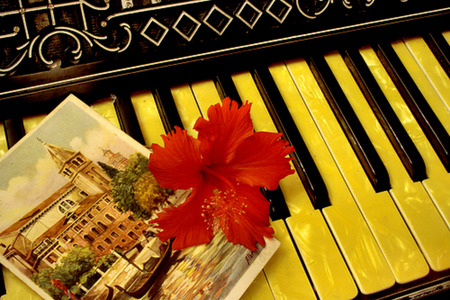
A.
x: 81, y: 213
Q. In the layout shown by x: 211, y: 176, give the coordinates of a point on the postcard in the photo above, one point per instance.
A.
x: 76, y: 198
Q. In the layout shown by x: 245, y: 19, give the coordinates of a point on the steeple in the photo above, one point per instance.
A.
x: 59, y: 155
x: 78, y: 169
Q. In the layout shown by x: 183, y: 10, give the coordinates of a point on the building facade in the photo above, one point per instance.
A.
x: 81, y: 213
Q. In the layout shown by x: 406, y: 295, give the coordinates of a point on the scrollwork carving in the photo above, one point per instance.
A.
x: 38, y: 45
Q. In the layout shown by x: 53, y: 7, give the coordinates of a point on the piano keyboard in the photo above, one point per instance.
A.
x: 365, y: 243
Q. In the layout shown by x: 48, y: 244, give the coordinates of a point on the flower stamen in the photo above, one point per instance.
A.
x: 222, y: 208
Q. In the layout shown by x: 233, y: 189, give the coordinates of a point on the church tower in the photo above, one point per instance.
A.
x: 78, y: 169
x: 115, y: 160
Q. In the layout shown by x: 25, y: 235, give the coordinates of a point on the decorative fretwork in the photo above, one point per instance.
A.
x: 41, y: 34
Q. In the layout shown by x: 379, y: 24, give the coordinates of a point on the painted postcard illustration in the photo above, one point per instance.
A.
x: 75, y: 200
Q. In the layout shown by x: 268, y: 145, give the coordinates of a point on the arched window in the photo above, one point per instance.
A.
x: 101, y: 225
x: 66, y: 205
x: 109, y: 217
x: 88, y: 238
x: 95, y: 230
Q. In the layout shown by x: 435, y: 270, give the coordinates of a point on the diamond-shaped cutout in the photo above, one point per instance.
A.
x: 279, y: 9
x: 217, y: 20
x: 186, y: 26
x: 154, y: 31
x: 249, y: 14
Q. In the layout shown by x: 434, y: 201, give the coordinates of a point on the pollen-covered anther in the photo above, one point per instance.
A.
x: 223, y: 207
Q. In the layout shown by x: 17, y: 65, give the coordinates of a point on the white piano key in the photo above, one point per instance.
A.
x: 438, y: 179
x: 307, y: 225
x: 412, y: 200
x: 285, y: 274
x: 398, y: 246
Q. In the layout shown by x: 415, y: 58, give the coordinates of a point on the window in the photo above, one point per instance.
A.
x: 122, y: 227
x: 67, y: 172
x: 132, y: 235
x: 114, y: 234
x: 42, y: 246
x: 108, y: 241
x: 61, y: 249
x: 101, y: 248
x: 101, y: 225
x: 88, y: 238
x: 95, y: 230
x: 52, y: 258
x: 109, y: 217
x: 66, y: 205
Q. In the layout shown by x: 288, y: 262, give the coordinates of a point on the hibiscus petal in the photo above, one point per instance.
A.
x: 177, y: 165
x: 227, y: 126
x: 261, y: 160
x: 252, y: 225
x: 185, y: 222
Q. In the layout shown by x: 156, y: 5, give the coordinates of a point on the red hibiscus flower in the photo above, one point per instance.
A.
x: 225, y: 167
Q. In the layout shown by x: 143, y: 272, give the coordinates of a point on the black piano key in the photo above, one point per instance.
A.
x: 226, y: 88
x: 303, y: 161
x: 356, y: 135
x: 399, y: 138
x: 127, y: 117
x: 278, y: 206
x: 427, y: 119
x: 167, y: 108
x: 14, y: 130
x: 2, y: 283
x: 440, y: 48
